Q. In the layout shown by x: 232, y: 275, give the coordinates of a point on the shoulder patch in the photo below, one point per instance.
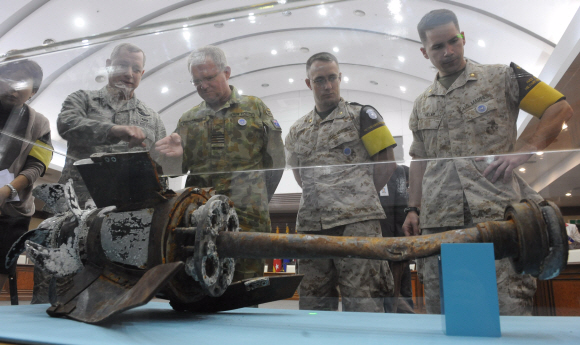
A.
x: 276, y: 123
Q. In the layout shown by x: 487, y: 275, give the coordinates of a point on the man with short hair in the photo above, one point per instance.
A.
x: 471, y: 110
x: 330, y: 150
x: 231, y: 143
x: 111, y: 119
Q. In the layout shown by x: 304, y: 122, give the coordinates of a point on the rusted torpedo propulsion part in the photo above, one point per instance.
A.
x: 533, y: 236
x: 144, y: 241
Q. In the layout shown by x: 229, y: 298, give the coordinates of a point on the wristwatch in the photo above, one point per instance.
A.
x: 13, y: 191
x: 409, y: 209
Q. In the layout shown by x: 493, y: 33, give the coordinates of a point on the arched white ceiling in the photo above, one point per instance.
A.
x: 378, y: 51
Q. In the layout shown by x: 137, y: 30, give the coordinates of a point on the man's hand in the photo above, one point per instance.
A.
x: 170, y: 146
x: 4, y: 194
x: 132, y: 134
x: 411, y: 224
x: 504, y: 165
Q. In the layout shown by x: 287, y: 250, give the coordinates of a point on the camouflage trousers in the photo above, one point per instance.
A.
x: 515, y: 291
x: 363, y: 283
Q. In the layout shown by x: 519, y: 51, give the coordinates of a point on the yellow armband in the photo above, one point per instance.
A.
x: 535, y: 95
x: 43, y: 152
x: 374, y: 133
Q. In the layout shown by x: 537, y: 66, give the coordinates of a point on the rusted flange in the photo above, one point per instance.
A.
x: 533, y: 240
x: 542, y: 240
x: 213, y: 273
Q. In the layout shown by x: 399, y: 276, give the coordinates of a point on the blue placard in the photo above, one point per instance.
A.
x: 469, y: 301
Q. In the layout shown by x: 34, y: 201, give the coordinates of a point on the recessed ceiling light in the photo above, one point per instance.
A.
x: 564, y: 126
x: 219, y: 25
x: 265, y: 85
x: 359, y: 13
x: 395, y: 6
x: 48, y: 41
x: 286, y: 13
x: 304, y: 50
x: 345, y: 78
x: 403, y: 89
x: 85, y: 42
x: 157, y: 32
x: 322, y: 11
x: 481, y: 43
x: 233, y: 20
x: 401, y: 58
x: 290, y: 80
x: 164, y: 89
x: 186, y: 35
x: 282, y: 2
x: 184, y: 25
x: 539, y: 153
x: 274, y: 52
x: 80, y: 22
x: 252, y: 18
x: 568, y: 194
x: 241, y: 92
x: 100, y: 78
x: 335, y: 49
x: 374, y: 82
x: 522, y: 169
x: 398, y: 18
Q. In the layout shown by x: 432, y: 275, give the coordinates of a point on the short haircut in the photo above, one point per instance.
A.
x: 30, y: 68
x: 130, y: 47
x: 200, y: 55
x: 319, y: 57
x: 435, y: 19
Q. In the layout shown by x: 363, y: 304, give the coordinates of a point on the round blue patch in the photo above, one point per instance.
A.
x: 482, y: 108
x: 242, y: 122
x: 347, y: 151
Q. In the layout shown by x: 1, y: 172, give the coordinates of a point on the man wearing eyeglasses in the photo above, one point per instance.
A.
x: 334, y: 150
x: 111, y: 119
x: 228, y: 142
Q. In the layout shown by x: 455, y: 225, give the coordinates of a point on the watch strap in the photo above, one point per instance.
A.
x: 415, y: 209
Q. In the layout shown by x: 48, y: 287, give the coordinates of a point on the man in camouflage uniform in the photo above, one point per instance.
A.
x: 228, y: 139
x: 111, y: 119
x: 471, y: 110
x: 340, y: 198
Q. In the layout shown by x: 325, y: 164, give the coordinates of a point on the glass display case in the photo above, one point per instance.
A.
x: 183, y: 151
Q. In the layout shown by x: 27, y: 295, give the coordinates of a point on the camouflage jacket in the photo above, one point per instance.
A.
x: 85, y: 120
x: 476, y: 116
x: 228, y: 148
x: 337, y: 185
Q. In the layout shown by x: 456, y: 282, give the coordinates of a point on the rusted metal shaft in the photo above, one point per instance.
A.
x: 258, y: 245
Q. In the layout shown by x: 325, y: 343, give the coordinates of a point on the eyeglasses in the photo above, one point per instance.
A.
x: 320, y: 81
x: 206, y: 79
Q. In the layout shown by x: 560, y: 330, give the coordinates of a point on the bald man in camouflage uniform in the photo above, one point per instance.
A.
x: 331, y: 148
x: 228, y: 139
x: 471, y: 110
